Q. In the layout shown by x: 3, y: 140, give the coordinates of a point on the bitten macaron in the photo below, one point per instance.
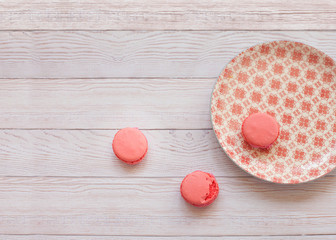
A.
x: 130, y: 145
x: 260, y: 130
x: 199, y: 188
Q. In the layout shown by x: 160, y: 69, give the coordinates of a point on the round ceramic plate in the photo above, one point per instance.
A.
x: 296, y: 84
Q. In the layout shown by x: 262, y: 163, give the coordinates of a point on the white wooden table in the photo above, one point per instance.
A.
x: 73, y: 72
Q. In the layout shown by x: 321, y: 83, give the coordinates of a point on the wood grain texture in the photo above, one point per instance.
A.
x: 105, y: 103
x: 168, y: 15
x: 103, y: 206
x: 129, y: 54
x: 82, y: 237
x: 88, y: 153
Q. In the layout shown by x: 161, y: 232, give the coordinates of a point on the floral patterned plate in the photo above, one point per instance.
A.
x: 296, y: 84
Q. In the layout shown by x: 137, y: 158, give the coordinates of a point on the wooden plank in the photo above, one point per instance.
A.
x: 163, y: 15
x: 110, y: 54
x: 89, y: 153
x: 82, y: 237
x: 105, y: 103
x: 172, y: 153
x: 147, y: 206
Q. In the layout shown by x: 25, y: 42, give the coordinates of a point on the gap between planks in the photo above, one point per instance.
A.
x: 167, y: 30
x: 146, y: 237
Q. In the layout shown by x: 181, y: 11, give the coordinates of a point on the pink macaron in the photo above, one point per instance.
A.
x: 260, y: 130
x: 199, y: 188
x: 130, y: 145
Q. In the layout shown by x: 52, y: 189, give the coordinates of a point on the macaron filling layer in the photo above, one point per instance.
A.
x: 132, y: 162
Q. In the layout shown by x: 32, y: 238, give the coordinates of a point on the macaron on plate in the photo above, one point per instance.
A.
x: 260, y: 130
x: 293, y: 83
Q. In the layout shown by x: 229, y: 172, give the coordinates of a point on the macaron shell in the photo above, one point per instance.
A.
x: 130, y: 145
x: 260, y: 130
x: 199, y: 188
